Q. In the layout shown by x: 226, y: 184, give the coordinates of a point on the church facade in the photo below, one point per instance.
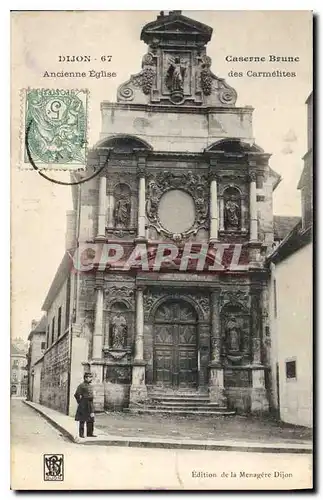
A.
x: 180, y: 177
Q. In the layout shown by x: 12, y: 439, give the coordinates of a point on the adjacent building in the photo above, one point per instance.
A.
x: 177, y: 165
x: 37, y: 347
x: 18, y: 372
x: 291, y: 310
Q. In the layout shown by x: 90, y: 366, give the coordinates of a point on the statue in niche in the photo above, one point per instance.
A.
x: 233, y: 335
x: 175, y: 75
x: 232, y: 213
x: 119, y: 332
x: 122, y: 211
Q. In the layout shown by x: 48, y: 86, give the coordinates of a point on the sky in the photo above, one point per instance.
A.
x: 38, y: 207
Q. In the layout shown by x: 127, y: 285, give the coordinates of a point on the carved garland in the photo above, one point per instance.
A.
x: 235, y: 298
x: 200, y: 299
x: 227, y: 95
x: 194, y: 184
x: 144, y: 80
x: 115, y: 293
x: 206, y: 76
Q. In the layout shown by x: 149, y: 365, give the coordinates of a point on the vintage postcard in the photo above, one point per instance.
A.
x: 161, y: 214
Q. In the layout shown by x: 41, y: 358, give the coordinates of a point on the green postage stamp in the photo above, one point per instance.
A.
x: 54, y: 128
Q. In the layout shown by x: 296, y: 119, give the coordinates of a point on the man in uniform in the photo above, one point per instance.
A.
x: 85, y: 409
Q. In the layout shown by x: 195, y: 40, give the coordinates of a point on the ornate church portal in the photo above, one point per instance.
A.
x: 180, y: 166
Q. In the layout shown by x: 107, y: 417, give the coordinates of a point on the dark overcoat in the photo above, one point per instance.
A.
x: 84, y: 398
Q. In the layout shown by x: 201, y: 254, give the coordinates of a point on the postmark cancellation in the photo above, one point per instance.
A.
x: 53, y: 133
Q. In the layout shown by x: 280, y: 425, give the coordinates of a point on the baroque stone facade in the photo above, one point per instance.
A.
x: 180, y: 166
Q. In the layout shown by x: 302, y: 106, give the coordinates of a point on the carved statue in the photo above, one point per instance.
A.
x: 175, y: 75
x: 119, y: 332
x: 231, y: 214
x: 122, y: 211
x: 233, y: 335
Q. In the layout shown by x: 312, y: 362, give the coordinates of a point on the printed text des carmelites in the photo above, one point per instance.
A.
x: 273, y: 66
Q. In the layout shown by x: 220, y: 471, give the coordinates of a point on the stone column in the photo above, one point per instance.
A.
x: 102, y: 206
x: 138, y: 390
x: 259, y: 400
x: 110, y: 208
x: 243, y: 215
x: 98, y: 321
x: 216, y: 380
x: 214, y: 217
x: 141, y: 171
x: 253, y: 208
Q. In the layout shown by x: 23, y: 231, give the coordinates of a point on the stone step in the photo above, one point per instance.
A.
x: 186, y: 403
x: 206, y: 407
x: 186, y: 390
x: 154, y: 411
x: 183, y: 400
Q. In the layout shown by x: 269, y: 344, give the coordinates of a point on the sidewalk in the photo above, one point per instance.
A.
x: 135, y: 436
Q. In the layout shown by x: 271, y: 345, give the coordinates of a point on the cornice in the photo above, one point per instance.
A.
x: 162, y: 108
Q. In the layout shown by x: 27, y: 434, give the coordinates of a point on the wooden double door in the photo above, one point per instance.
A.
x: 175, y: 345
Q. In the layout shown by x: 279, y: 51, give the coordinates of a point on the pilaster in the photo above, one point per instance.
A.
x: 216, y: 377
x: 253, y: 206
x: 102, y: 200
x: 98, y: 322
x: 141, y: 174
x: 138, y: 389
x: 214, y: 216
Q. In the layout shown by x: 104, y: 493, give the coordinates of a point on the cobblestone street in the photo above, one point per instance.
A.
x: 113, y: 468
x: 237, y: 427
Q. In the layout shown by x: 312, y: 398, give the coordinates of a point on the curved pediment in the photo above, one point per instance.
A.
x: 123, y: 143
x: 234, y: 146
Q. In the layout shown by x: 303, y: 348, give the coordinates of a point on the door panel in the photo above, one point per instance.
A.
x: 187, y: 335
x: 163, y: 366
x: 175, y: 345
x: 187, y: 368
x: 186, y: 355
x: 164, y: 334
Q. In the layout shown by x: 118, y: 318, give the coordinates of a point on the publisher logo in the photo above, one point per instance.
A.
x: 53, y: 467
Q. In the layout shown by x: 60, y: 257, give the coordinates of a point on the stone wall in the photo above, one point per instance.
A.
x: 54, y: 376
x: 173, y: 131
x: 36, y: 382
x: 60, y: 301
x: 89, y: 208
x: 116, y: 396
